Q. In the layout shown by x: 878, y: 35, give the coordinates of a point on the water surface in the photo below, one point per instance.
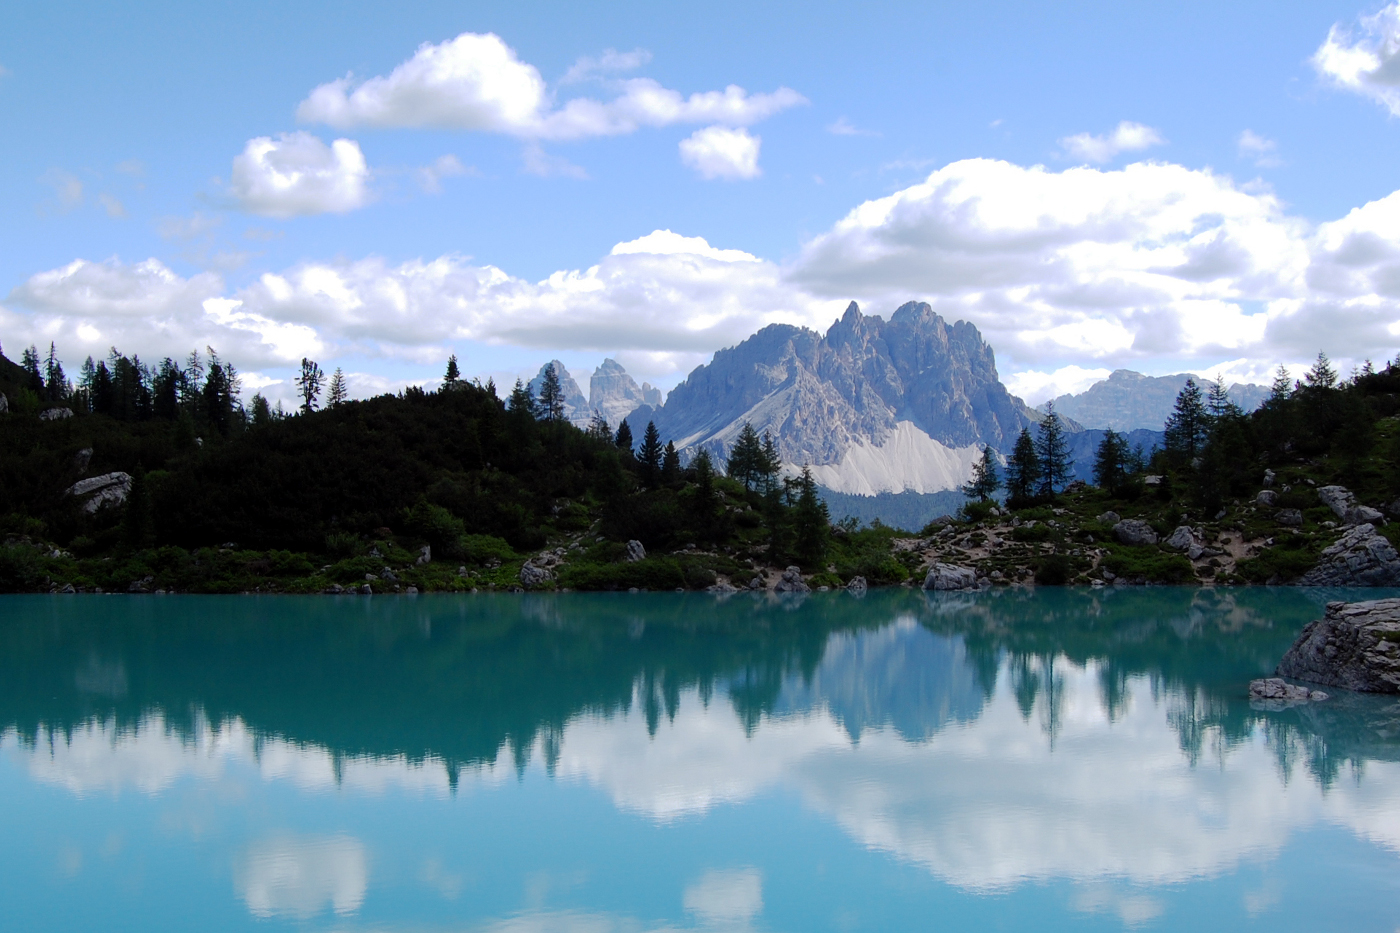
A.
x: 645, y: 762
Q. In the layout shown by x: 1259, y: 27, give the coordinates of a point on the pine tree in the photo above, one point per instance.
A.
x: 769, y: 465
x: 985, y: 480
x: 1022, y: 472
x: 453, y: 377
x: 262, y: 411
x: 522, y: 399
x: 1282, y: 386
x: 34, y: 378
x: 1111, y: 462
x: 670, y: 465
x: 598, y: 428
x: 624, y: 436
x: 1053, y: 452
x: 1322, y: 375
x: 745, y: 457
x: 1186, y: 429
x: 1218, y: 402
x: 551, y: 395
x: 812, y: 523
x: 55, y: 382
x: 336, y: 394
x: 706, y: 501
x: 649, y: 456
x: 309, y: 385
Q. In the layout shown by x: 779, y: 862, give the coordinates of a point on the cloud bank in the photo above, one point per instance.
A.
x: 1365, y: 62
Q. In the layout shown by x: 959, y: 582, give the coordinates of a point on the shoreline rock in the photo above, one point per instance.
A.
x: 1361, y: 557
x: 1355, y: 646
x: 950, y: 577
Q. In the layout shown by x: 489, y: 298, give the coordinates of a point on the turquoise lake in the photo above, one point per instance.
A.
x: 590, y: 763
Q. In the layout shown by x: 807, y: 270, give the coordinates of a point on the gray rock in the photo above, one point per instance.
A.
x: 1361, y: 557
x: 81, y: 459
x: 756, y: 583
x: 1293, y: 518
x: 1276, y: 688
x: 1355, y: 646
x: 411, y: 591
x: 1267, y: 498
x: 4, y: 404
x: 388, y: 576
x: 532, y: 574
x: 1341, y: 501
x: 635, y: 551
x: 1110, y: 518
x: 722, y: 588
x: 792, y: 582
x: 100, y: 491
x: 857, y: 586
x: 1152, y: 480
x: 55, y: 414
x: 366, y: 590
x: 425, y: 555
x: 943, y: 576
x: 1134, y: 531
x: 1394, y: 509
x: 1183, y: 539
x: 335, y: 589
x: 1268, y: 479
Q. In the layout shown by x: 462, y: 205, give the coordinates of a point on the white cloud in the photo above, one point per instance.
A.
x: 67, y: 188
x: 1037, y: 387
x: 1262, y: 150
x: 538, y: 162
x: 720, y: 152
x: 298, y: 175
x: 477, y: 82
x: 187, y: 228
x: 114, y: 208
x: 1127, y: 137
x: 449, y: 166
x: 133, y: 167
x: 609, y: 63
x: 1367, y: 64
x: 843, y: 127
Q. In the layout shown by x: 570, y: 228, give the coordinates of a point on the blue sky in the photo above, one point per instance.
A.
x: 437, y: 225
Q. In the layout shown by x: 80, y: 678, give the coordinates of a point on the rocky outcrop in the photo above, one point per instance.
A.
x: 532, y: 574
x: 1355, y: 646
x: 55, y: 414
x: 857, y: 586
x: 1277, y: 693
x: 1292, y: 518
x: 943, y: 576
x: 1361, y: 557
x: 1267, y: 498
x: 82, y: 459
x: 1134, y: 531
x: 635, y: 551
x: 1343, y: 504
x: 614, y: 394
x: 792, y: 582
x: 100, y: 491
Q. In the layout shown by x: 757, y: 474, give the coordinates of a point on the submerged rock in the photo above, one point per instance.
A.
x: 1276, y: 688
x: 1355, y: 646
x: 1134, y: 531
x: 1361, y: 557
x: 950, y: 577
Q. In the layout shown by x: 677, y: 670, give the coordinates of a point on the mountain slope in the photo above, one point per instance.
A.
x: 1127, y: 400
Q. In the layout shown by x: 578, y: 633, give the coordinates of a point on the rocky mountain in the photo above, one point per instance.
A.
x: 1127, y: 400
x: 871, y: 406
x: 576, y: 407
x: 615, y: 395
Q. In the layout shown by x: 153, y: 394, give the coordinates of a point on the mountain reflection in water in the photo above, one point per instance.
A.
x: 1096, y: 738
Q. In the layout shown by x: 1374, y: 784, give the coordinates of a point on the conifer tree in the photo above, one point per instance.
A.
x: 1053, y: 453
x: 138, y: 525
x: 649, y: 456
x: 1282, y: 386
x: 309, y: 385
x: 453, y: 377
x: 770, y: 464
x: 1111, y: 462
x: 1022, y: 472
x: 34, y: 378
x: 706, y: 501
x: 1187, y: 428
x: 598, y: 428
x: 522, y: 399
x: 985, y: 481
x: 55, y: 382
x: 624, y: 436
x: 336, y: 392
x: 1322, y: 375
x: 1219, y: 405
x: 551, y: 395
x: 811, y: 523
x: 670, y: 465
x: 262, y: 411
x: 745, y: 463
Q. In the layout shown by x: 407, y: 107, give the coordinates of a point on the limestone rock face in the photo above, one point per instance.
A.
x: 635, y: 551
x: 1134, y: 531
x: 614, y: 394
x: 104, y: 490
x: 943, y: 576
x: 1361, y: 557
x: 576, y: 408
x: 1128, y: 400
x: 1355, y: 646
x: 4, y: 404
x: 1182, y: 539
x: 1341, y: 501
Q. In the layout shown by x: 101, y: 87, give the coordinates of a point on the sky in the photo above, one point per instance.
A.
x: 1159, y: 187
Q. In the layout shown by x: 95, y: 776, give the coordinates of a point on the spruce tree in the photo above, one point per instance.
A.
x: 670, y: 465
x: 1322, y: 375
x: 770, y: 464
x: 745, y: 463
x: 985, y: 481
x: 34, y: 378
x: 1218, y: 402
x: 811, y: 523
x: 55, y: 382
x: 1022, y: 472
x: 1111, y: 462
x: 551, y: 395
x: 706, y: 501
x: 1282, y: 386
x: 337, y: 393
x: 1187, y: 428
x: 649, y: 456
x: 599, y: 430
x: 453, y: 377
x: 522, y: 399
x: 309, y: 385
x: 1053, y: 452
x: 624, y: 436
x: 262, y: 411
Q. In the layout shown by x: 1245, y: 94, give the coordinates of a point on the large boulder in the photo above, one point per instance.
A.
x: 1355, y: 646
x: 1267, y: 498
x: 856, y: 586
x: 1134, y: 531
x: 531, y: 574
x: 635, y: 551
x: 104, y: 490
x: 1182, y: 538
x: 943, y: 576
x: 1343, y: 504
x: 1361, y: 557
x: 792, y: 582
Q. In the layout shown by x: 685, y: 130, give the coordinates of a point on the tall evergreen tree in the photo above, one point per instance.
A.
x: 55, y: 382
x: 1053, y: 452
x: 166, y: 388
x: 1282, y: 386
x: 551, y: 396
x: 453, y: 377
x: 649, y: 456
x: 624, y: 436
x: 598, y: 428
x: 522, y: 399
x: 745, y: 463
x: 706, y: 501
x: 1022, y: 472
x: 769, y: 465
x: 1218, y: 402
x: 985, y: 481
x: 1111, y: 462
x: 309, y: 385
x: 262, y: 411
x: 1322, y: 375
x: 1188, y: 426
x: 337, y: 393
x: 811, y: 523
x: 670, y: 465
x: 34, y: 377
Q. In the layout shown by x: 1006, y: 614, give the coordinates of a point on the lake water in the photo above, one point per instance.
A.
x: 1064, y: 759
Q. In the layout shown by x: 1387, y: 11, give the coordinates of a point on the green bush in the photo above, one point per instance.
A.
x: 481, y: 549
x: 825, y: 578
x: 1037, y: 532
x: 1286, y: 561
x: 1155, y: 565
x: 342, y: 544
x: 652, y: 573
x: 19, y: 569
x: 1053, y: 570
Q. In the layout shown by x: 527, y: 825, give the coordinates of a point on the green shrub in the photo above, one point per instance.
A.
x: 342, y: 544
x: 19, y: 569
x: 825, y: 578
x: 1053, y: 570
x: 652, y: 573
x: 1155, y: 565
x: 1287, y: 560
x: 1037, y: 532
x: 481, y: 549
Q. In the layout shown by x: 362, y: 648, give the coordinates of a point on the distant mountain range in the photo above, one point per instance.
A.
x: 1127, y: 400
x: 889, y: 415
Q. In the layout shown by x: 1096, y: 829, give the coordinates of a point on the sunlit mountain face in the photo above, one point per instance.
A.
x: 649, y: 762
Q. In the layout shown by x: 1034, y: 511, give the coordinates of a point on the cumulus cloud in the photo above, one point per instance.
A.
x: 1037, y: 387
x: 477, y: 82
x: 1365, y: 62
x: 1262, y: 150
x: 720, y: 152
x: 1127, y: 137
x: 298, y: 175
